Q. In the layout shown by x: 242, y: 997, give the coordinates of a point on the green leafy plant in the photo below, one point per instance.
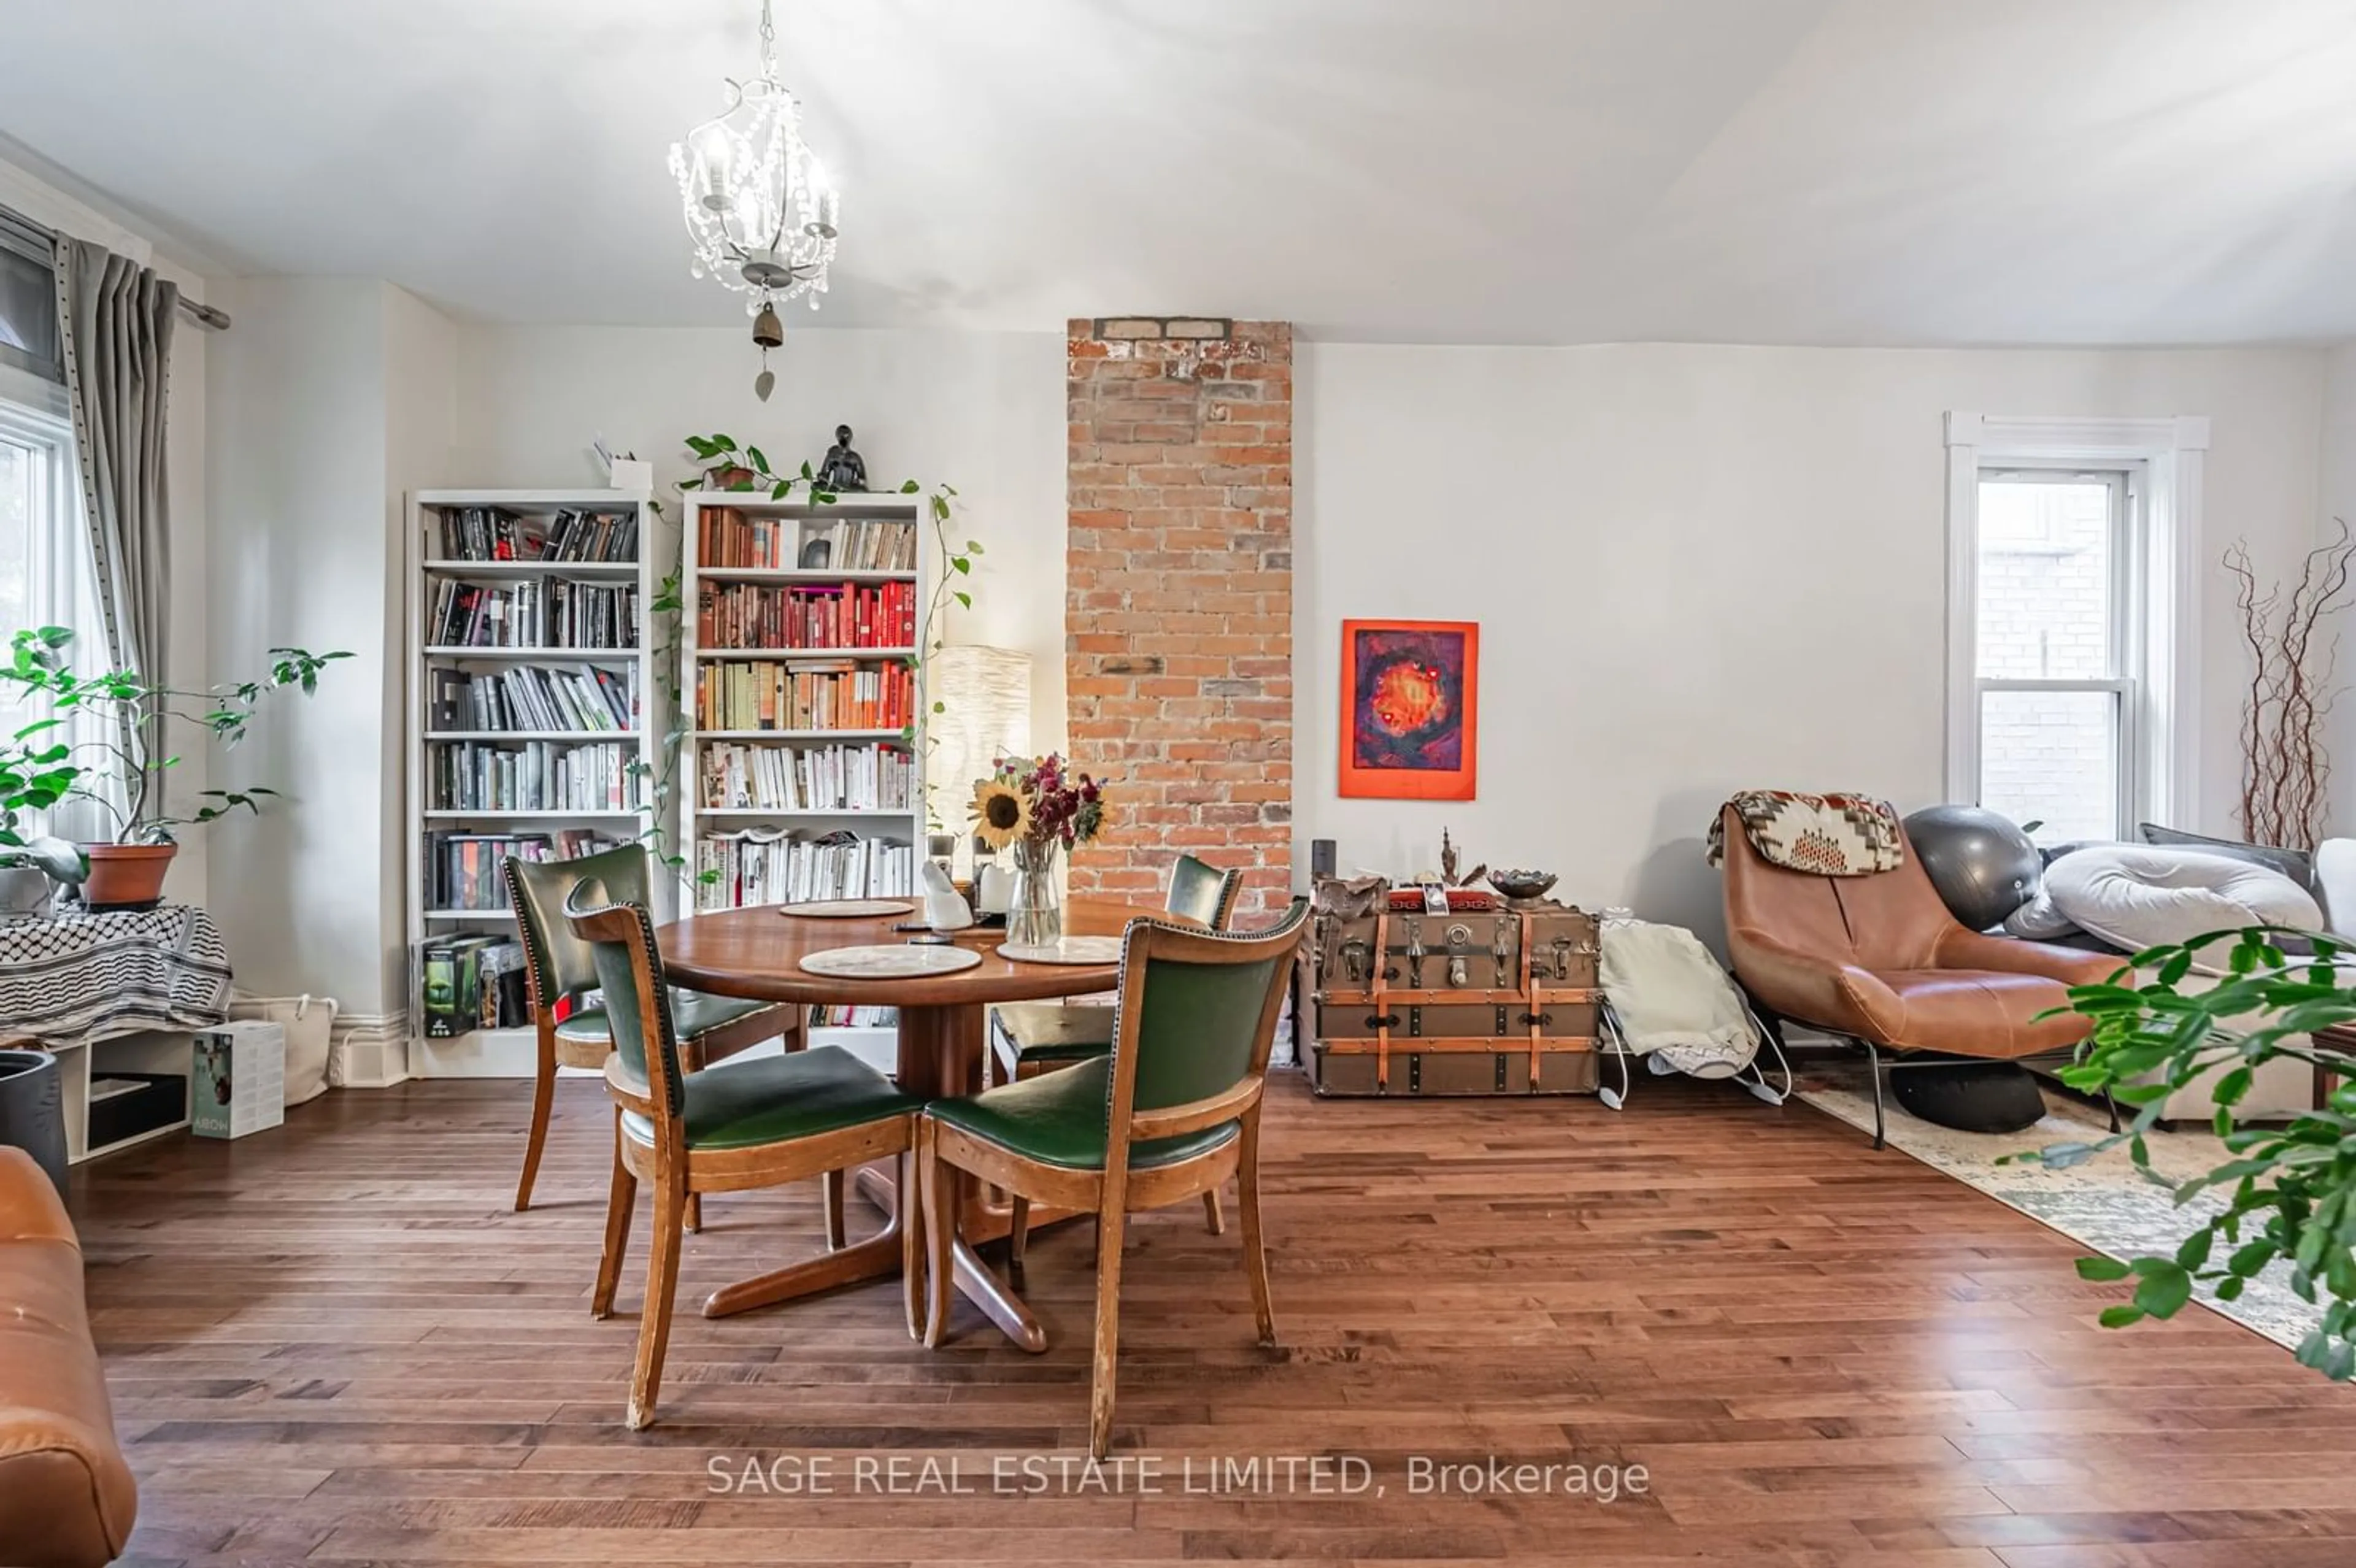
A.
x: 37, y: 771
x: 745, y: 470
x: 2290, y: 1189
x: 138, y: 717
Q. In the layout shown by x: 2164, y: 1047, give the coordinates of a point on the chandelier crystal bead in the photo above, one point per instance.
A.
x: 758, y: 205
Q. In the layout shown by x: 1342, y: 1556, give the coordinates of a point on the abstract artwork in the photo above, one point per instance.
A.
x: 1410, y: 709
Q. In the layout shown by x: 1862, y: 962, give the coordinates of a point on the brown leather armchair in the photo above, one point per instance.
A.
x: 1878, y: 959
x: 67, y: 1499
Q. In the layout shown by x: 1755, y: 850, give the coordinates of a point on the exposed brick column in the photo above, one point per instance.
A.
x: 1178, y: 619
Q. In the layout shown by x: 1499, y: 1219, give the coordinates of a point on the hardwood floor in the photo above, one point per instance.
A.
x: 335, y: 1344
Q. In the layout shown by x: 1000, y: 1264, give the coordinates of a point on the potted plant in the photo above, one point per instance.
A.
x: 136, y: 717
x: 2286, y: 1196
x: 36, y: 773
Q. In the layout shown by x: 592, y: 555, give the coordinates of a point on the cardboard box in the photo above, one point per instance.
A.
x: 237, y: 1084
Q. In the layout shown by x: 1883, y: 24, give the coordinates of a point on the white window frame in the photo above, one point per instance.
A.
x: 2157, y: 614
x: 33, y: 414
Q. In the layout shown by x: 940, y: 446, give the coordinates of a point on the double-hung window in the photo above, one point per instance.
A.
x: 2073, y: 620
x: 2055, y: 653
x: 46, y: 576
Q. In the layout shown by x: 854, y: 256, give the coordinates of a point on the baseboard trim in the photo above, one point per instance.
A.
x: 369, y: 1050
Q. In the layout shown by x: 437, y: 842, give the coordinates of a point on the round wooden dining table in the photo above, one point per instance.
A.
x: 759, y: 952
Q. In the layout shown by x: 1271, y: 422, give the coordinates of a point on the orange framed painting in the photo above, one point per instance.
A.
x: 1411, y: 710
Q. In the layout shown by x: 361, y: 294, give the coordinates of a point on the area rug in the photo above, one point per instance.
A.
x: 2104, y: 1203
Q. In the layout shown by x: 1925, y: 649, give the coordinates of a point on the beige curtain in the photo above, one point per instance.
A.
x: 118, y: 319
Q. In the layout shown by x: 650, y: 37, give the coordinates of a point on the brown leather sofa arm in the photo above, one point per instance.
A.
x: 1961, y: 949
x: 67, y: 1498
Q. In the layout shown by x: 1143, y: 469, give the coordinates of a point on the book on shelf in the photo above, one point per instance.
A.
x: 771, y: 866
x: 580, y: 697
x: 498, y: 534
x: 729, y: 537
x: 555, y: 613
x: 865, y: 1016
x: 804, y: 694
x: 470, y: 980
x: 534, y: 775
x: 807, y: 778
x: 803, y: 615
x: 461, y: 869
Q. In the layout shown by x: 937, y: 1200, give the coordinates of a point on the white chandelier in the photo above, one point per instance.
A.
x: 758, y: 205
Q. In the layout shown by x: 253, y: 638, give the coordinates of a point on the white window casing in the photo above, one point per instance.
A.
x: 2157, y: 562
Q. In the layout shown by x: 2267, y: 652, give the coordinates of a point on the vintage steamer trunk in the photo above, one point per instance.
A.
x: 1495, y: 1000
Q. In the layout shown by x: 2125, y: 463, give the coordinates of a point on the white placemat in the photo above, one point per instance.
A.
x: 1071, y: 950
x: 901, y: 963
x: 847, y: 909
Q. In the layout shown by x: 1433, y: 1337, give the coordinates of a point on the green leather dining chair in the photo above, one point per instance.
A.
x: 760, y: 1122
x: 557, y: 968
x: 1033, y: 1038
x: 1172, y: 1111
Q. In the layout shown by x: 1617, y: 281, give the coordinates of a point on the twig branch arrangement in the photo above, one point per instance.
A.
x: 2286, y: 752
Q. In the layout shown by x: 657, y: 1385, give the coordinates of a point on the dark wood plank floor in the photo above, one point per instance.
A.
x: 334, y: 1344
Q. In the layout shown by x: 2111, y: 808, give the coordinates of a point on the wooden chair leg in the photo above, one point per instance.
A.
x: 830, y: 1186
x: 1215, y: 1219
x: 1255, y: 1252
x: 691, y: 1060
x: 621, y: 1201
x: 1109, y: 1228
x: 543, y: 1104
x: 937, y: 1185
x: 654, y: 1317
x: 1018, y: 1232
x: 913, y: 1238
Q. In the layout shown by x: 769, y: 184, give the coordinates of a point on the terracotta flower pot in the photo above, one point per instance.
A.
x: 126, y: 875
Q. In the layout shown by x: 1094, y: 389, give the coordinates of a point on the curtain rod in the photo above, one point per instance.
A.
x: 211, y: 317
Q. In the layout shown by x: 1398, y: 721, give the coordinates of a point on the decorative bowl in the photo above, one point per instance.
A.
x: 1518, y: 885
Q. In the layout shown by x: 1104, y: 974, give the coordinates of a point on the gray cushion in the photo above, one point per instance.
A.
x: 2295, y: 864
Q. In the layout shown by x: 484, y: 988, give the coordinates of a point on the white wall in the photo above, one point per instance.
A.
x: 329, y: 397
x: 1699, y: 567
x: 2339, y: 500
x: 983, y: 411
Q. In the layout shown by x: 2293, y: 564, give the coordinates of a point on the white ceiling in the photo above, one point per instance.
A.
x: 1533, y: 171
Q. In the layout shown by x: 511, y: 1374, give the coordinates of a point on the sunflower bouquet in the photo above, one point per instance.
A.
x: 1034, y: 805
x: 1034, y: 800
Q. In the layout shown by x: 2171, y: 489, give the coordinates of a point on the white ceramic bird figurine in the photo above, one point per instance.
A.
x: 945, y: 907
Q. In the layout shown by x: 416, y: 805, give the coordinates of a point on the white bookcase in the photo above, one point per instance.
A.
x: 434, y: 737
x: 718, y: 595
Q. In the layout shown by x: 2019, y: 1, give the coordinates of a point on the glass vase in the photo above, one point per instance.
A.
x: 1034, y: 912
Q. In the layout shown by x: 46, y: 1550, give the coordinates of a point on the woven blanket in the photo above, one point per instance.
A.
x: 70, y: 979
x: 1823, y: 835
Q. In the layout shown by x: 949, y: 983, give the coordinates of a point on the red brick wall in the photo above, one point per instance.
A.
x: 1178, y: 617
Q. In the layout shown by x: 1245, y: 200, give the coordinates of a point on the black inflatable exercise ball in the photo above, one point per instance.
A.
x: 1982, y: 864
